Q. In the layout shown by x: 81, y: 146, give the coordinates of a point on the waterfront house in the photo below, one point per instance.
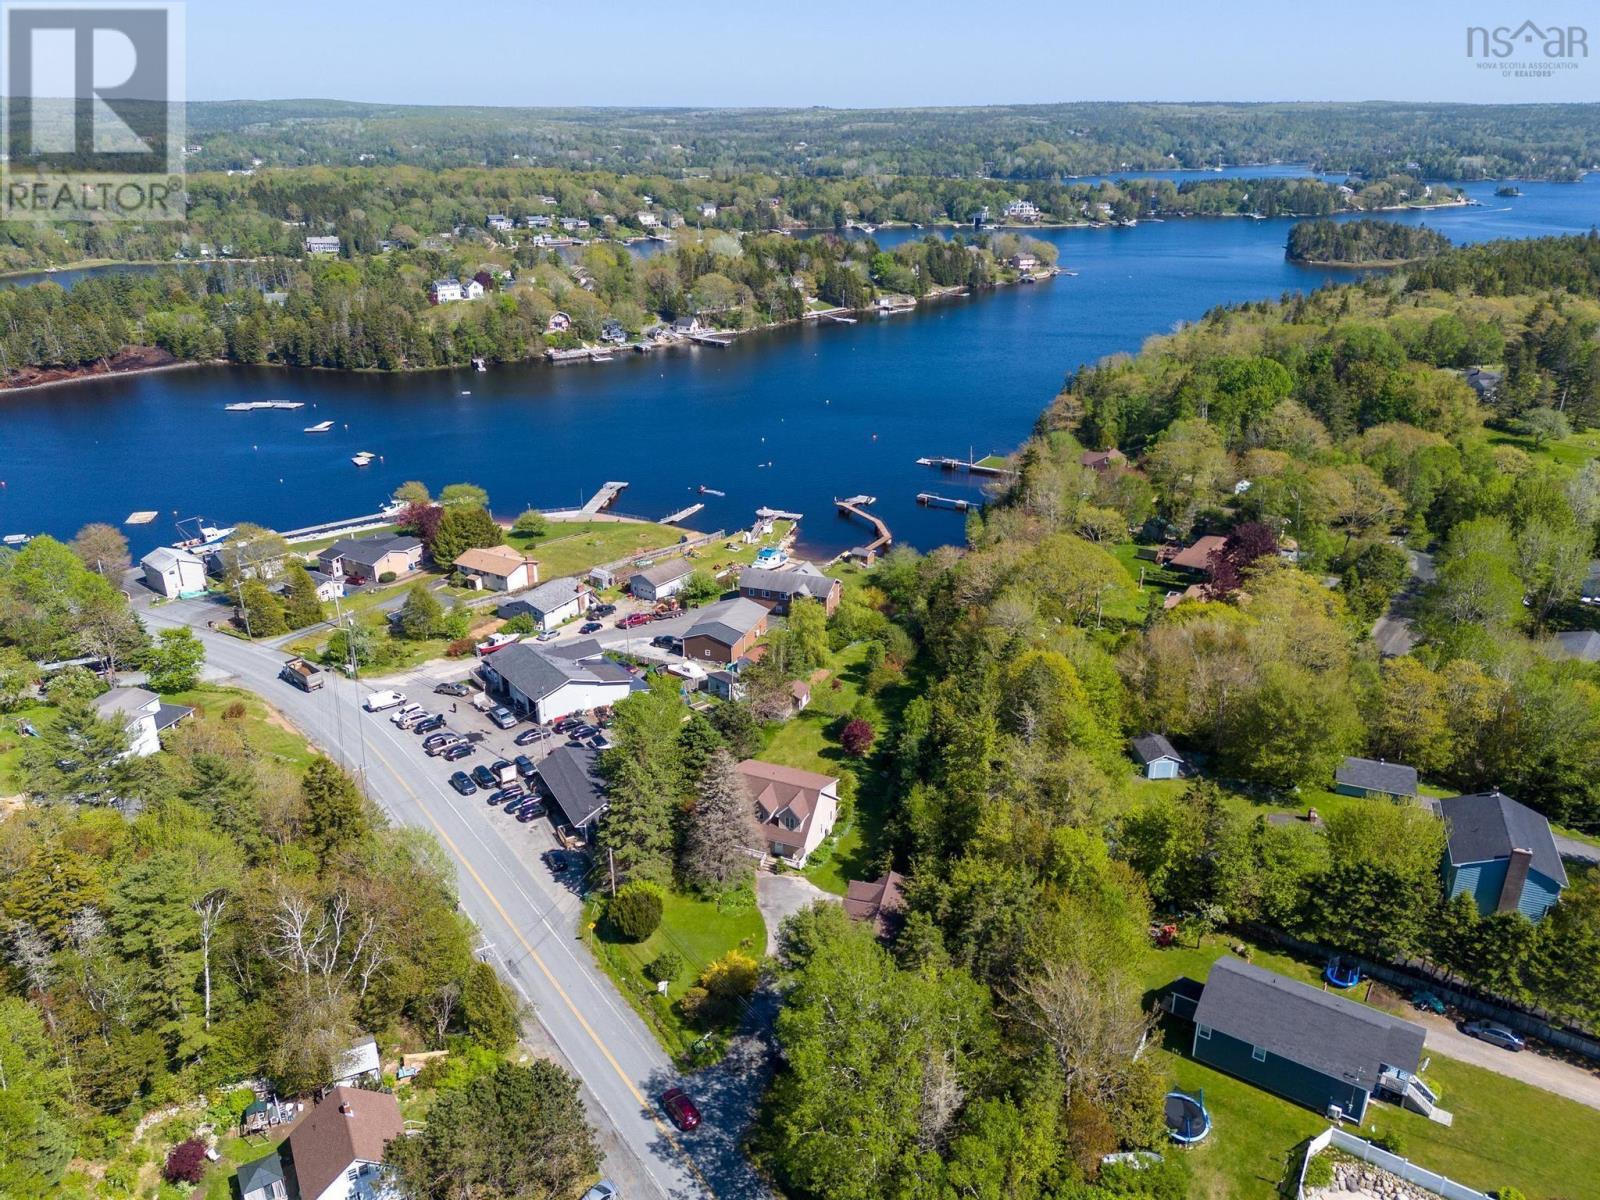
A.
x: 794, y: 810
x: 547, y: 687
x: 1374, y: 777
x: 1102, y: 460
x: 662, y: 581
x: 337, y: 1150
x: 142, y: 715
x: 551, y: 604
x: 571, y: 777
x: 1157, y: 757
x: 569, y: 223
x: 687, y: 325
x: 1502, y: 854
x: 1313, y: 1047
x: 726, y: 631
x: 369, y: 559
x: 322, y: 245
x: 878, y: 902
x: 497, y: 569
x: 559, y: 322
x: 1023, y: 210
x: 777, y: 588
x: 647, y: 220
x: 1024, y: 262
x: 539, y: 221
x: 611, y: 330
x: 174, y: 573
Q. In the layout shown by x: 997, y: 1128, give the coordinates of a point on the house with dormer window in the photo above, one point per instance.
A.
x: 793, y: 810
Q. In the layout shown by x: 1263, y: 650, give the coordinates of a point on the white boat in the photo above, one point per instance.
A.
x: 364, y: 458
x: 17, y: 539
x: 479, y: 365
x: 319, y: 427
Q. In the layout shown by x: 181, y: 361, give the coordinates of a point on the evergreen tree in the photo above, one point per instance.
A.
x: 261, y: 610
x: 336, y: 811
x: 645, y: 773
x: 718, y: 835
x: 301, y: 608
x: 462, y: 527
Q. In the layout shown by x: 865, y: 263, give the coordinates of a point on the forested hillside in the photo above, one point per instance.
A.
x: 1363, y: 242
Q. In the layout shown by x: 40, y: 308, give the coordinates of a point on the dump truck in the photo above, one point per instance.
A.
x: 306, y: 676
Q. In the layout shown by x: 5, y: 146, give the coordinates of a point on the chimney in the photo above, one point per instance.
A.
x: 1516, y: 876
x: 344, y: 1107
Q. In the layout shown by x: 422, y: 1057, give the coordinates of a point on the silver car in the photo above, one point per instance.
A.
x: 604, y: 1190
x: 1495, y: 1035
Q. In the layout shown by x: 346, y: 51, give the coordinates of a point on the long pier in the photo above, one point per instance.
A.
x: 604, y: 496
x: 344, y: 525
x: 720, y: 340
x: 961, y: 464
x: 855, y: 506
x: 778, y: 514
x: 935, y: 501
x: 683, y: 514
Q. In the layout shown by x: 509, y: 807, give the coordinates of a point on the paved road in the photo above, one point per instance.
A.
x: 1573, y: 850
x: 528, y: 921
x: 1541, y: 1070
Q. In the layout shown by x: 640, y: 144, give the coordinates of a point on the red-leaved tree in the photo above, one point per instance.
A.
x: 421, y: 521
x: 1246, y: 544
x: 186, y: 1162
x: 856, y: 737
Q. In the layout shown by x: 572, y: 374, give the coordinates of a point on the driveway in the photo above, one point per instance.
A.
x: 781, y: 896
x: 1541, y: 1070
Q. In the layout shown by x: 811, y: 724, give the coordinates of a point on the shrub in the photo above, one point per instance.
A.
x: 695, y: 1005
x: 1509, y: 1193
x: 635, y: 910
x: 1390, y: 1141
x: 460, y: 648
x: 731, y: 977
x: 186, y: 1162
x: 387, y: 577
x: 856, y: 737
x: 664, y: 967
x: 521, y: 623
x: 234, y: 712
x: 1319, y: 1171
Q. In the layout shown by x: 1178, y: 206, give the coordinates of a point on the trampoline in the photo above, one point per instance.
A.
x: 1187, y: 1119
x: 1342, y: 972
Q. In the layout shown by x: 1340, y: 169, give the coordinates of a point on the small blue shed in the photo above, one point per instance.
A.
x: 1502, y: 854
x: 1157, y: 757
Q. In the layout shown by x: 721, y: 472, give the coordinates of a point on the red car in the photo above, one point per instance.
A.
x: 680, y: 1108
x: 634, y: 620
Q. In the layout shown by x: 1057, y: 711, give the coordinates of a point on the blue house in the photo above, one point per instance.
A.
x: 1313, y: 1047
x: 1501, y: 854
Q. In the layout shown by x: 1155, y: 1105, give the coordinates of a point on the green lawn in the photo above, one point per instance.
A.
x: 1571, y: 451
x: 40, y: 716
x: 1158, y: 581
x: 1504, y: 1133
x: 307, y: 549
x: 573, y: 547
x: 269, y: 734
x: 697, y: 931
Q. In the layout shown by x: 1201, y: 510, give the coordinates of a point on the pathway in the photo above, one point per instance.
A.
x: 781, y: 896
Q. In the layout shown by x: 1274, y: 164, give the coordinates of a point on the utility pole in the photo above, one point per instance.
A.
x: 611, y: 863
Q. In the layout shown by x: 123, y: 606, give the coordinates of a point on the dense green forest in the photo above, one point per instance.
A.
x: 372, y: 208
x: 995, y: 1039
x: 1445, y: 141
x: 1363, y: 242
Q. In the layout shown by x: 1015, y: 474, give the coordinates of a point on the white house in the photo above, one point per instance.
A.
x: 551, y: 604
x: 794, y: 810
x: 142, y: 716
x: 547, y: 687
x: 500, y: 222
x: 498, y: 569
x: 322, y: 245
x: 647, y: 220
x: 445, y: 291
x: 662, y: 581
x: 708, y: 212
x: 174, y: 572
x: 358, y: 1062
x: 1022, y: 210
x: 337, y: 1149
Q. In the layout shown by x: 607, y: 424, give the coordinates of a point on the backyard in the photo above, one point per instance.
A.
x: 573, y: 547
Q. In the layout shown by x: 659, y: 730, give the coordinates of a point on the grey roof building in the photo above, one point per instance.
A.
x: 1374, y: 777
x: 572, y: 777
x: 728, y: 620
x: 537, y: 683
x: 1502, y: 854
x: 263, y: 1179
x: 1152, y: 746
x: 1311, y: 1046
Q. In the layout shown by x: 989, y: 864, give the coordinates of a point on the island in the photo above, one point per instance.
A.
x: 1508, y: 189
x: 1365, y: 243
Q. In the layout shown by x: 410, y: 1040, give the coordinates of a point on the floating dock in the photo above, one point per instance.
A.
x: 720, y: 340
x: 319, y: 427
x: 855, y: 506
x: 252, y: 405
x: 683, y: 514
x: 143, y: 517
x: 933, y: 501
x: 961, y: 464
x: 604, y: 497
x: 778, y: 514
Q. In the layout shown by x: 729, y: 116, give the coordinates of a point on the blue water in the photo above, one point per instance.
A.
x: 791, y: 418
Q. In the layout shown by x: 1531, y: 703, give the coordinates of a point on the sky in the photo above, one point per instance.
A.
x: 866, y: 53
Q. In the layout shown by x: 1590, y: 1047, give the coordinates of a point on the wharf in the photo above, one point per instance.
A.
x: 344, y: 525
x: 935, y: 501
x: 961, y: 464
x: 720, y: 340
x: 683, y: 514
x: 778, y: 514
x: 604, y: 497
x: 855, y: 506
x: 252, y: 405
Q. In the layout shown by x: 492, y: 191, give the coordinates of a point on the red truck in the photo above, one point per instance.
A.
x: 634, y: 620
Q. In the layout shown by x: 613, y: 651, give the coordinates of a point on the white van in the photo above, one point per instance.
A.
x: 378, y: 701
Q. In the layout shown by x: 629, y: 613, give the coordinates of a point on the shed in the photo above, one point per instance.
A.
x: 1157, y: 757
x: 572, y: 777
x: 1375, y: 777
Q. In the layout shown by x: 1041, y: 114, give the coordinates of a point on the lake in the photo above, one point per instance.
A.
x: 789, y: 419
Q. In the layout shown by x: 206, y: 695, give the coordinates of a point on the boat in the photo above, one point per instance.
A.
x: 479, y: 365
x: 17, y: 539
x: 364, y: 458
x: 708, y: 491
x: 319, y: 427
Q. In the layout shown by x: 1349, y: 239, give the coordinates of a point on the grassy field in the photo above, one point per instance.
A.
x: 40, y: 716
x: 269, y: 734
x: 1505, y: 1132
x: 1158, y: 581
x: 698, y: 931
x: 1571, y: 451
x: 573, y: 547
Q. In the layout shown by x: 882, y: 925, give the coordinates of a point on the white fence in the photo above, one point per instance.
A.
x: 1392, y: 1163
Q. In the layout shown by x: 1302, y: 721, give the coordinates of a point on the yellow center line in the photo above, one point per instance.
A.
x: 545, y: 971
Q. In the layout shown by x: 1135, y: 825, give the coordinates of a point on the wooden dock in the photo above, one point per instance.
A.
x: 720, y: 340
x: 935, y: 501
x: 778, y: 514
x: 855, y: 506
x: 961, y: 464
x: 604, y: 497
x: 683, y: 514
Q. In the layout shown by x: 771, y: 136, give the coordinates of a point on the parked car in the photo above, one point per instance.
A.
x: 457, y: 751
x: 404, y: 711
x: 664, y: 640
x: 634, y: 620
x: 548, y: 635
x: 602, y: 610
x: 567, y: 724
x: 413, y: 719
x: 558, y: 861
x: 502, y: 716
x: 378, y: 701
x: 1494, y: 1034
x: 438, y: 739
x: 604, y: 1190
x: 530, y: 809
x: 525, y: 766
x: 1428, y: 1002
x: 529, y: 736
x: 590, y: 627
x: 680, y: 1108
x: 483, y: 776
x: 462, y: 784
x: 429, y: 725
x: 666, y: 614
x: 507, y: 795
x: 452, y: 689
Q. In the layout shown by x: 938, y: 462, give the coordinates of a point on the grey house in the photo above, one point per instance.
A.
x: 1157, y: 757
x: 1502, y: 854
x: 662, y: 581
x: 572, y: 777
x: 1374, y: 777
x: 1299, y: 1042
